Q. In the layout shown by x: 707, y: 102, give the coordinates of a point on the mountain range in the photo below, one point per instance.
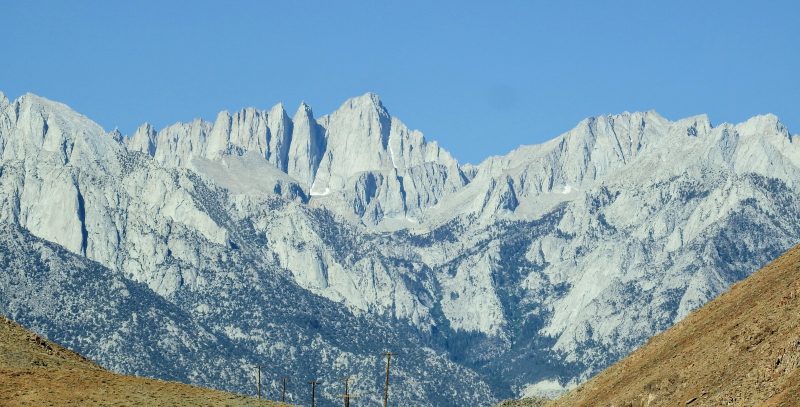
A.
x: 311, y: 245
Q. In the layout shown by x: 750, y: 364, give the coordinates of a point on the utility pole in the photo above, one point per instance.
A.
x: 283, y: 391
x: 347, y: 395
x: 313, y: 384
x: 258, y: 380
x: 386, y: 384
x: 347, y: 391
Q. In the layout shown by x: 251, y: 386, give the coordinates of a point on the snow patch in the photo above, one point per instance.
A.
x: 324, y: 192
x: 391, y: 155
x: 312, y: 192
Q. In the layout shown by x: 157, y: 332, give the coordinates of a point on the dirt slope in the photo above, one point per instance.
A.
x: 741, y: 349
x: 37, y: 372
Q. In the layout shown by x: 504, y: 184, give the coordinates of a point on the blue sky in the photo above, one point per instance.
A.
x: 479, y: 77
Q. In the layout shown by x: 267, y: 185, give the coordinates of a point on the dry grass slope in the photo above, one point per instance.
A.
x: 741, y: 349
x: 37, y: 372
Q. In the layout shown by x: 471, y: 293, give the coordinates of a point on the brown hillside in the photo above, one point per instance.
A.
x: 741, y: 349
x: 37, y: 372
